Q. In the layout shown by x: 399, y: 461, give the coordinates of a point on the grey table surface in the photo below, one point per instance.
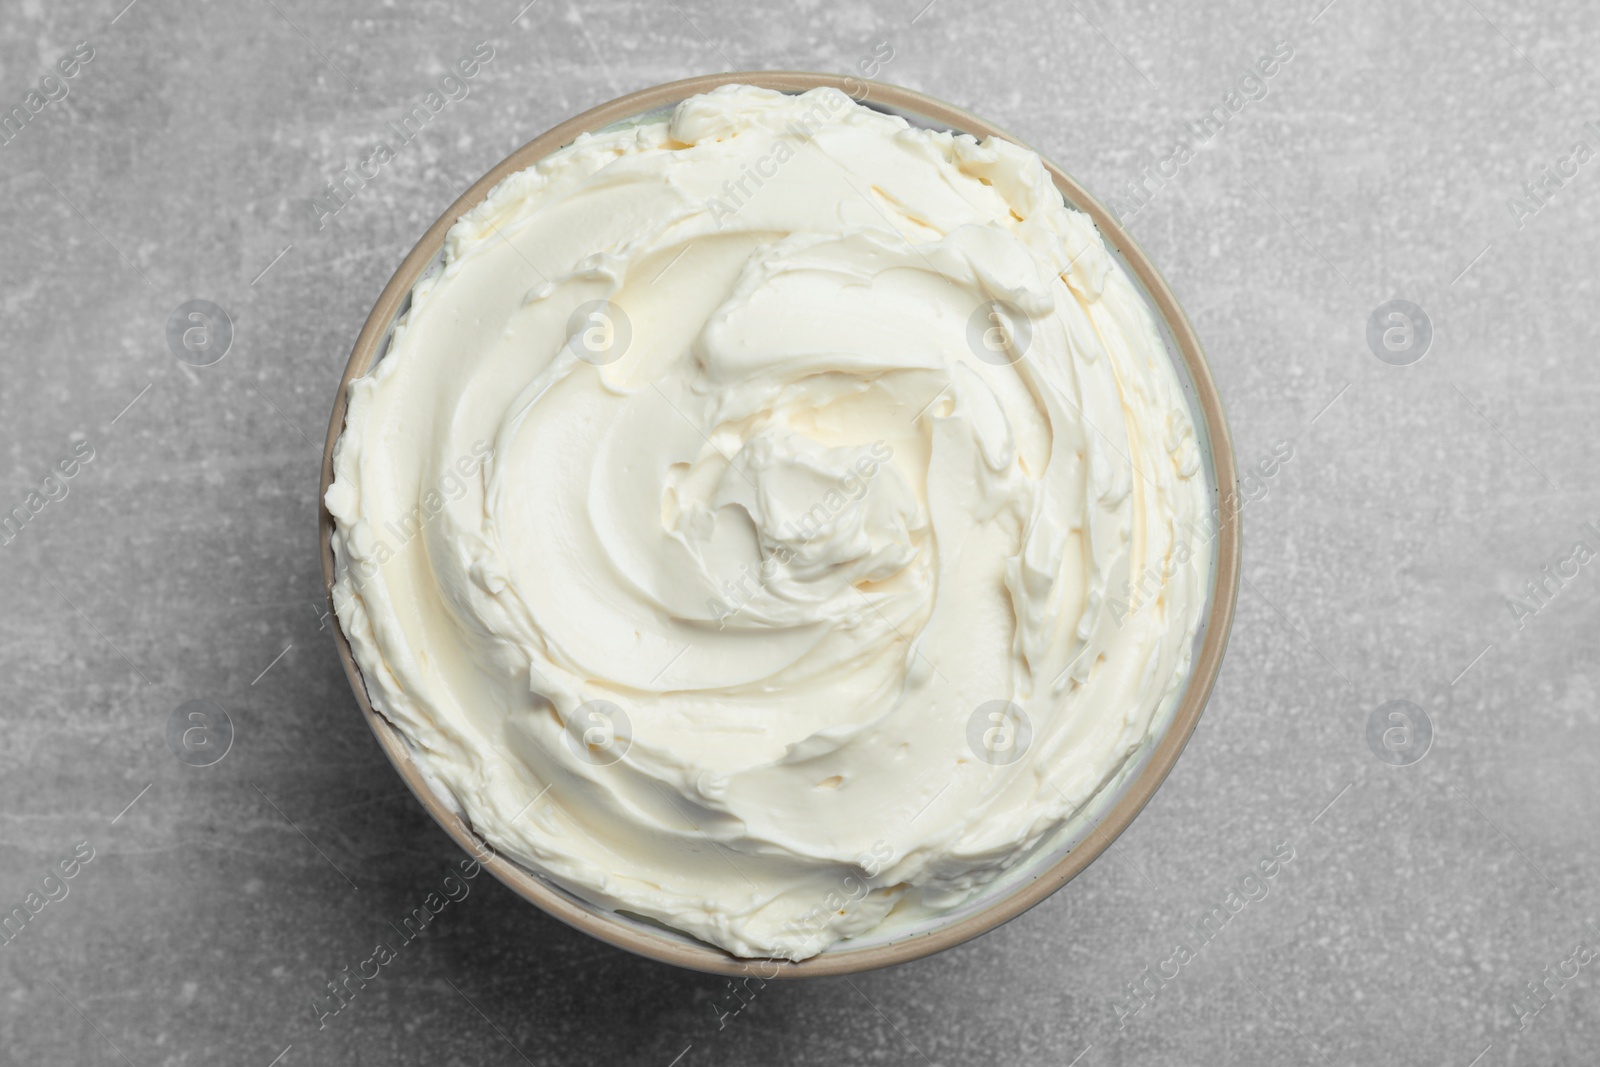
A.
x: 1386, y: 158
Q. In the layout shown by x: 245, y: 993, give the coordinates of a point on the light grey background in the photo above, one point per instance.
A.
x: 182, y: 563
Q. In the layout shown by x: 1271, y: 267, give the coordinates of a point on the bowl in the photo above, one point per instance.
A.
x: 1055, y: 860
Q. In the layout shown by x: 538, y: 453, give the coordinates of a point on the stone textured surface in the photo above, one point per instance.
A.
x: 1381, y: 163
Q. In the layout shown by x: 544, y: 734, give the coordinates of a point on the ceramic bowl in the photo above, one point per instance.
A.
x: 1055, y: 860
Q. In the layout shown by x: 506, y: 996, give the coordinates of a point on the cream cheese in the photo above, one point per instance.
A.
x: 742, y: 524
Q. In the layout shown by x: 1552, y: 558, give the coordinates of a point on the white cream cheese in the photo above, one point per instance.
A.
x: 743, y: 526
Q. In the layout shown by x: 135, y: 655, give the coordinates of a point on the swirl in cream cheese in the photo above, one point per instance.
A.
x: 735, y: 523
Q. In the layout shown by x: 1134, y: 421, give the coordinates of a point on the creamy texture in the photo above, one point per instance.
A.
x: 709, y: 602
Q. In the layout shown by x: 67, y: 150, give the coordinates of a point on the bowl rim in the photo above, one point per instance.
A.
x: 1204, y: 667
